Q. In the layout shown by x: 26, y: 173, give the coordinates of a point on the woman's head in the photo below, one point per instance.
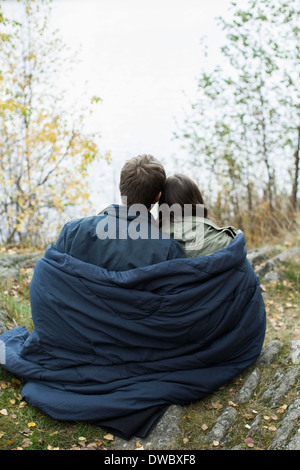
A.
x: 181, y: 190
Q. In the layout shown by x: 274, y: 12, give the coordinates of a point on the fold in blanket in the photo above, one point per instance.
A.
x: 117, y: 348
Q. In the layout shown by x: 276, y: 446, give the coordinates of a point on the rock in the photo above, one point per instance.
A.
x: 269, y: 352
x: 248, y: 388
x: 272, y: 265
x: 3, y: 319
x: 10, y: 264
x: 294, y: 443
x: 284, y: 382
x: 255, y: 426
x: 258, y: 256
x: 295, y: 351
x: 286, y: 427
x: 162, y: 435
x: 274, y: 275
x: 223, y: 423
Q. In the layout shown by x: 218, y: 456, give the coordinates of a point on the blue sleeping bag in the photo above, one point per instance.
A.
x: 117, y: 348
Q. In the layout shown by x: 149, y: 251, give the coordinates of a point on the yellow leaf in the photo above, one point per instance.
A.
x: 16, y: 381
x: 109, y: 437
x: 231, y: 403
x: 31, y: 425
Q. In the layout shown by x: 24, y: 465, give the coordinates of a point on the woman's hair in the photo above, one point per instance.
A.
x: 181, y: 190
x: 142, y: 179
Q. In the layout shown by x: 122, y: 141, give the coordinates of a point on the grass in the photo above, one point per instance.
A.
x: 24, y: 427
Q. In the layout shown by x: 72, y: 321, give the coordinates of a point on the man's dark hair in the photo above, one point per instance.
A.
x: 141, y: 180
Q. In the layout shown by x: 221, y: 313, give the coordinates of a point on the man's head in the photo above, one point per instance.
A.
x: 142, y: 179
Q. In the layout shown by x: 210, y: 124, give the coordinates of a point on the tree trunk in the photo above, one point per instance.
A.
x: 296, y: 175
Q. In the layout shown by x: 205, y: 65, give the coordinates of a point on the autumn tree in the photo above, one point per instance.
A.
x: 45, y: 151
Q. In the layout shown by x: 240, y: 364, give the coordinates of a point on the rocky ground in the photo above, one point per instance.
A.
x: 272, y: 384
x: 286, y: 432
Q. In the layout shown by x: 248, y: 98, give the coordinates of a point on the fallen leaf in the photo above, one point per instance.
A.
x: 26, y: 443
x: 204, y: 427
x: 216, y: 443
x: 217, y: 405
x: 185, y: 440
x: 109, y: 437
x: 214, y: 406
x: 249, y: 442
x: 98, y: 442
x: 231, y: 403
x: 4, y: 412
x: 16, y: 381
x: 138, y: 444
x: 27, y: 432
x: 272, y: 428
x: 31, y: 425
x: 91, y: 445
x: 282, y: 409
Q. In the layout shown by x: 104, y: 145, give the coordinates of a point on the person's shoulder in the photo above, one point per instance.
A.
x: 82, y: 224
x: 176, y: 250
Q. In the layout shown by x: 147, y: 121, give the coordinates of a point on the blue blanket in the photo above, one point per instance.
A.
x: 117, y: 348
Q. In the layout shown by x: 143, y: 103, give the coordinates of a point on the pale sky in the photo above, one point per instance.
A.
x: 143, y: 58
